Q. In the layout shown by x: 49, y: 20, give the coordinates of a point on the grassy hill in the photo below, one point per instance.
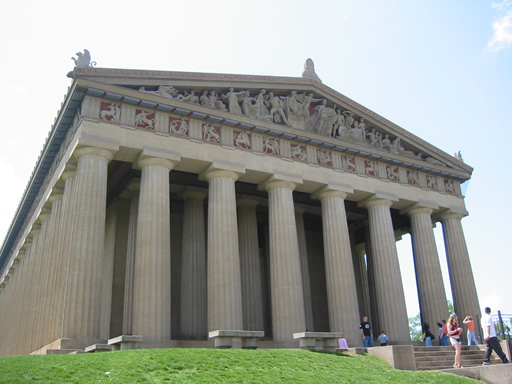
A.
x: 211, y: 366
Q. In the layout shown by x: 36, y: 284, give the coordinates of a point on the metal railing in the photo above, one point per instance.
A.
x: 502, y: 323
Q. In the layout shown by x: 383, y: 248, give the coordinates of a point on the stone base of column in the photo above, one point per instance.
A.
x: 66, y: 344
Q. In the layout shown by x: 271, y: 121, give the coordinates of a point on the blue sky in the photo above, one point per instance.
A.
x: 440, y: 69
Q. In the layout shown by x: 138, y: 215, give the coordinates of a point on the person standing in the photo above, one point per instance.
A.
x: 383, y: 339
x: 440, y: 334
x: 427, y: 336
x: 471, y: 330
x: 490, y: 338
x: 366, y: 333
x: 444, y: 338
x: 454, y: 332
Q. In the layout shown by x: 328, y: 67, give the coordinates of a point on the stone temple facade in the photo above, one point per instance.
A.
x: 172, y: 204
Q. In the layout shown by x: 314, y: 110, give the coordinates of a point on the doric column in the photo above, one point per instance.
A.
x: 339, y: 270
x: 304, y: 268
x: 388, y: 280
x: 224, y: 281
x: 250, y: 264
x: 51, y: 259
x: 42, y: 278
x: 429, y: 279
x: 62, y: 248
x: 152, y: 277
x: 372, y: 290
x: 361, y: 275
x: 32, y: 300
x: 82, y: 302
x: 134, y: 190
x: 194, y: 318
x: 465, y: 298
x: 288, y: 316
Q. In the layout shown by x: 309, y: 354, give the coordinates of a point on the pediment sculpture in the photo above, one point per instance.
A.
x: 297, y: 109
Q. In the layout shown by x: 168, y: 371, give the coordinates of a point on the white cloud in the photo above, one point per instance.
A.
x: 502, y: 37
x: 502, y: 5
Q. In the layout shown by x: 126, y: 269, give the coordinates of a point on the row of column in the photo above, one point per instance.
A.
x: 73, y: 232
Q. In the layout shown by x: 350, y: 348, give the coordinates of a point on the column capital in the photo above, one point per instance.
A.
x: 220, y: 168
x: 69, y: 171
x: 333, y: 186
x: 420, y: 207
x: 279, y: 184
x: 155, y: 161
x: 132, y: 186
x: 373, y: 202
x: 288, y: 180
x: 326, y: 193
x: 93, y: 151
x: 45, y: 214
x: 451, y: 213
x: 56, y: 195
x: 194, y: 192
x: 245, y: 200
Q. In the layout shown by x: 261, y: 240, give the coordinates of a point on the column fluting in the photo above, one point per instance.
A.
x: 252, y: 301
x: 429, y: 279
x: 223, y: 266
x: 339, y: 268
x: 465, y: 297
x: 82, y: 301
x: 390, y: 298
x: 152, y: 272
x: 193, y: 266
x: 288, y: 315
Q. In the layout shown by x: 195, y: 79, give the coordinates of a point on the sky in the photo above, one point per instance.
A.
x: 439, y: 69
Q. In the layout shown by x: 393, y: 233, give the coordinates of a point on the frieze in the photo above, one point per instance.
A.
x: 251, y: 140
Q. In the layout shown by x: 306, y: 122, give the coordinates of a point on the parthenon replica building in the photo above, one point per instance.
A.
x: 173, y: 204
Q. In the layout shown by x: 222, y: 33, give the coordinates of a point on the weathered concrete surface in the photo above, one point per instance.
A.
x: 491, y: 374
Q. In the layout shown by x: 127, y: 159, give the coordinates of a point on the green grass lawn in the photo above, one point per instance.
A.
x: 179, y: 365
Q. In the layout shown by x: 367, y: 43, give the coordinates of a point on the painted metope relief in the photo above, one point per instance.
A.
x: 298, y: 152
x: 412, y: 177
x: 211, y: 133
x: 178, y: 126
x: 431, y: 182
x: 144, y: 119
x: 242, y: 139
x: 348, y: 163
x: 271, y: 145
x: 392, y: 173
x: 448, y: 186
x: 371, y: 168
x: 110, y: 112
x: 324, y: 157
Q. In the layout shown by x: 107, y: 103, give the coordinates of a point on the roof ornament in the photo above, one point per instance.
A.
x: 83, y: 59
x: 309, y: 70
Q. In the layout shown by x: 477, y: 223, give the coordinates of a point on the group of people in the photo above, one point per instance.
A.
x: 449, y: 332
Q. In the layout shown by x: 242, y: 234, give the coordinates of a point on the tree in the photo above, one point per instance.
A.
x: 415, y: 327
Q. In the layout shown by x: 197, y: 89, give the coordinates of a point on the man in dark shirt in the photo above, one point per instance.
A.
x: 366, y: 333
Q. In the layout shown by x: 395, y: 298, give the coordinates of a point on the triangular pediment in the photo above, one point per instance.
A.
x: 301, y: 108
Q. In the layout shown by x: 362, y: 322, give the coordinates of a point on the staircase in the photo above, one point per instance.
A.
x: 438, y: 358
